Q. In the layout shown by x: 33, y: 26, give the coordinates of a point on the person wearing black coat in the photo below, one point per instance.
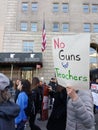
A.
x: 57, y: 119
x: 35, y: 93
x: 8, y: 109
x: 53, y: 85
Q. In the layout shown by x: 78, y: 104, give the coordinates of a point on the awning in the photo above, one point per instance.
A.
x: 21, y: 59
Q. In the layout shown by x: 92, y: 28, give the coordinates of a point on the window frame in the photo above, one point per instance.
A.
x: 85, y: 9
x: 95, y: 28
x: 55, y: 7
x: 24, y: 27
x: 27, y: 46
x: 34, y: 27
x: 87, y: 27
x: 67, y: 27
x: 95, y: 7
x: 65, y: 7
x: 24, y: 9
x: 54, y: 29
x: 34, y: 6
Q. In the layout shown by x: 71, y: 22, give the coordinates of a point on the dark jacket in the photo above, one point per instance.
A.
x: 8, y: 111
x: 16, y: 94
x: 53, y: 85
x: 57, y: 119
x: 35, y: 94
x: 38, y: 97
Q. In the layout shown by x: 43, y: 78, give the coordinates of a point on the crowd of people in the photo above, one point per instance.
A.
x: 71, y: 109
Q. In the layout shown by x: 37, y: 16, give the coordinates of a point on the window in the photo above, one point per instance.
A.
x: 24, y: 6
x: 55, y: 7
x: 23, y: 26
x: 34, y: 27
x: 86, y: 8
x: 55, y: 27
x: 87, y: 27
x: 65, y: 27
x: 34, y: 6
x: 28, y: 46
x: 65, y: 7
x: 93, y: 57
x: 95, y: 27
x: 94, y: 8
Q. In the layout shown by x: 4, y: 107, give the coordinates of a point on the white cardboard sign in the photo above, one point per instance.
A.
x: 94, y: 89
x: 71, y: 60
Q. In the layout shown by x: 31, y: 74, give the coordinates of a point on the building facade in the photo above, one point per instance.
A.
x: 21, y: 26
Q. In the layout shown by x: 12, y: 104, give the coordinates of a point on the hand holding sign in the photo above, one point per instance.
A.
x: 72, y: 93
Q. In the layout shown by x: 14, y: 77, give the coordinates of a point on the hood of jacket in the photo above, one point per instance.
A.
x: 9, y: 110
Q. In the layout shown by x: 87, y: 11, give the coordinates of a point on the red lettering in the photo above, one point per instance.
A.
x: 58, y: 44
x: 62, y: 45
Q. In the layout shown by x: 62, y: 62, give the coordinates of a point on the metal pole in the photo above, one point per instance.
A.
x: 11, y: 76
x: 96, y: 58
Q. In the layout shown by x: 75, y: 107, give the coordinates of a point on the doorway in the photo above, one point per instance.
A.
x: 27, y: 73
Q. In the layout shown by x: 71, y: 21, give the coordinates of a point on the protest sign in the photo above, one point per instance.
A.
x: 71, y: 59
x: 94, y: 90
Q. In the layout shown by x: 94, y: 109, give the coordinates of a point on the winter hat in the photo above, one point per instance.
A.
x: 4, y: 81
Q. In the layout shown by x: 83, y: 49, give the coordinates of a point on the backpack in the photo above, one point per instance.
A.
x: 30, y: 109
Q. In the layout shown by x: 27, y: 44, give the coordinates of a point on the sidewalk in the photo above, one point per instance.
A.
x: 42, y: 124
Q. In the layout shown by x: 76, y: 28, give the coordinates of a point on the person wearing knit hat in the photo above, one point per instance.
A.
x: 8, y: 109
x: 4, y: 81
